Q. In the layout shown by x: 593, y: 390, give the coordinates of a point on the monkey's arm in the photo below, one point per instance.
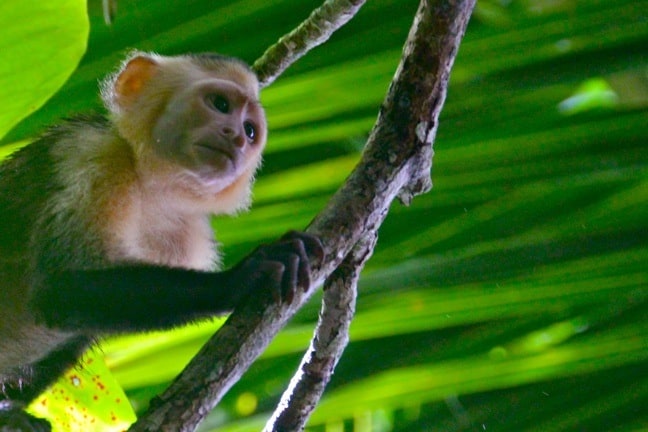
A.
x: 146, y: 297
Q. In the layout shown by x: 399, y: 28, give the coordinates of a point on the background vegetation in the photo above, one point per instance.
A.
x: 513, y: 295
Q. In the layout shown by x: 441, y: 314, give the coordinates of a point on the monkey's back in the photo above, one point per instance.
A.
x: 26, y: 179
x: 29, y: 181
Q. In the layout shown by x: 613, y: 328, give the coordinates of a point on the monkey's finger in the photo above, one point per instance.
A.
x: 283, y: 248
x: 273, y: 250
x: 289, y: 235
x: 303, y: 270
x: 290, y: 278
x: 303, y: 265
x: 313, y: 244
x: 303, y: 276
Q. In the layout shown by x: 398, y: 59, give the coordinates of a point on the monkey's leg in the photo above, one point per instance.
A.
x: 16, y: 396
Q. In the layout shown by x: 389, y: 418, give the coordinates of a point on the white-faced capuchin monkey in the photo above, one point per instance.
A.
x: 105, y: 222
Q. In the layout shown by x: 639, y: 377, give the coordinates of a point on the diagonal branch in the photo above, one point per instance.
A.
x: 328, y: 343
x: 396, y: 163
x: 314, y: 31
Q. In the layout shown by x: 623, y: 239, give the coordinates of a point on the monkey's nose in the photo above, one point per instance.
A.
x: 237, y: 137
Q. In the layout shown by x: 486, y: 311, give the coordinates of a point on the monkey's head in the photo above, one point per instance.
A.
x: 194, y: 117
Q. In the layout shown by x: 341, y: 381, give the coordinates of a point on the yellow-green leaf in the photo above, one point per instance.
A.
x: 41, y: 44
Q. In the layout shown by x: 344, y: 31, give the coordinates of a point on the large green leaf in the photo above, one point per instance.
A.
x: 41, y: 44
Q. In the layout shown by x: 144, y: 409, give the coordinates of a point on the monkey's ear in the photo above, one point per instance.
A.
x: 132, y: 78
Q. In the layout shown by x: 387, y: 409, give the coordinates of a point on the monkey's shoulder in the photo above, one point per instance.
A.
x: 34, y: 165
x: 61, y: 182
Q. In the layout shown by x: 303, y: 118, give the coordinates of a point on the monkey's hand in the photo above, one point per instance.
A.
x: 282, y: 267
x: 17, y: 420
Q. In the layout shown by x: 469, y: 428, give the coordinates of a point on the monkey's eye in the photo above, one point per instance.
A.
x: 220, y: 103
x: 250, y: 130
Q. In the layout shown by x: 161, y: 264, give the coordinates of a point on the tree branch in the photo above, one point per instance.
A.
x: 328, y: 343
x: 396, y: 162
x: 312, y: 32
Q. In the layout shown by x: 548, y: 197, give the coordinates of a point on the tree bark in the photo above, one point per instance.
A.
x: 396, y: 163
x: 314, y: 31
x: 328, y: 343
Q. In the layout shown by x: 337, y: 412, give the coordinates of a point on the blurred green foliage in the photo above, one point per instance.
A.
x: 513, y: 295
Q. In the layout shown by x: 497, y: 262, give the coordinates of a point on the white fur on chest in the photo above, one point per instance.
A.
x: 154, y: 217
x: 154, y: 233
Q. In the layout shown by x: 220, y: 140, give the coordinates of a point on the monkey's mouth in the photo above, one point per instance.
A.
x: 216, y: 153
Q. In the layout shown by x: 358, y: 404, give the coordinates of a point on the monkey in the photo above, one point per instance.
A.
x: 105, y: 220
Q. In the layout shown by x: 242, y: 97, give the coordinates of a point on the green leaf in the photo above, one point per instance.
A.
x: 41, y: 44
x: 592, y: 94
x: 85, y: 399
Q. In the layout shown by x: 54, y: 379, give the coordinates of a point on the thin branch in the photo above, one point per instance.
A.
x: 396, y: 161
x: 328, y: 343
x: 312, y: 32
x: 109, y: 9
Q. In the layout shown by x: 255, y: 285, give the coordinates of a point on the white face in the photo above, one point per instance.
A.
x: 215, y: 128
